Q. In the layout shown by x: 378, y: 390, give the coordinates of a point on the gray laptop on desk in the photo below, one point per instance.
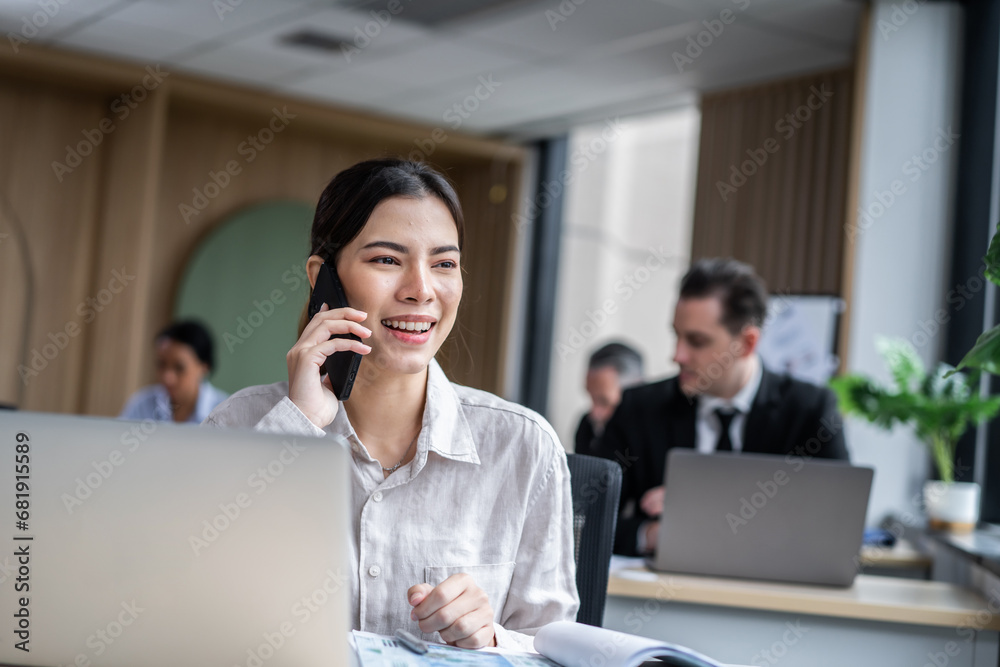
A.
x: 758, y: 516
x: 155, y: 544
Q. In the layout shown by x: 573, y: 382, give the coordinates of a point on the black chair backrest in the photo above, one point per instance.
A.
x: 597, y: 485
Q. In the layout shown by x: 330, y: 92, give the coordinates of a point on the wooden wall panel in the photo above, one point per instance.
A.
x: 47, y: 229
x: 470, y: 357
x: 125, y: 255
x: 121, y: 209
x: 782, y: 209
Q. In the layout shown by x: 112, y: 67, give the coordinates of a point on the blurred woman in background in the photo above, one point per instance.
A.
x: 184, y: 360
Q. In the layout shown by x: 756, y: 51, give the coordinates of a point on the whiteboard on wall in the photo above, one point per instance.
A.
x: 800, y: 336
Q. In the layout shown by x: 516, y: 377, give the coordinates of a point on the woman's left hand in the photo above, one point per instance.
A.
x: 457, y: 608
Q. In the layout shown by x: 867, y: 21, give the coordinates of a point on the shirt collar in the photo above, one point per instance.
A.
x: 162, y: 410
x: 742, y: 401
x: 444, y: 428
x: 206, y: 401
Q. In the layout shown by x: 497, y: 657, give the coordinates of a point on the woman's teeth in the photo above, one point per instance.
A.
x: 418, y: 327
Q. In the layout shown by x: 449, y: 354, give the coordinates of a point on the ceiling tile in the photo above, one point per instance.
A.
x: 203, y: 20
x: 544, y: 30
x: 131, y: 41
x: 26, y: 19
x: 552, y: 63
x: 365, y: 37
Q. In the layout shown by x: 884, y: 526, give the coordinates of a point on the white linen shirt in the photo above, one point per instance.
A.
x: 487, y: 493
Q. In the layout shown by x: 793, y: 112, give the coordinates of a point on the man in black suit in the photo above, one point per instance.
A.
x: 722, y: 399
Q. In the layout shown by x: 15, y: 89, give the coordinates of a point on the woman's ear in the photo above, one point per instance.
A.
x: 312, y: 268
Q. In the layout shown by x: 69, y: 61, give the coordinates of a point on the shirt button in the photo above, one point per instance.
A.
x: 377, y: 496
x: 374, y: 570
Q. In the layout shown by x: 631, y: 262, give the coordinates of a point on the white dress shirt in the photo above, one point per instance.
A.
x: 487, y: 493
x: 707, y: 425
x: 153, y: 402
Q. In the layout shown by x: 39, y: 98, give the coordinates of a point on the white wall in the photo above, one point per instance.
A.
x: 626, y: 243
x: 902, y: 248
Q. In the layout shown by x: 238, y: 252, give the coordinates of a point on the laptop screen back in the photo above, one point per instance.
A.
x: 146, y: 543
x: 767, y: 517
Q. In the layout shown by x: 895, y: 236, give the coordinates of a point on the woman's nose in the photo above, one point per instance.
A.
x: 417, y: 285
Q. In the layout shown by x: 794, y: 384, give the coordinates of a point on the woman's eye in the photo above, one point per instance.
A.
x: 384, y: 260
x: 447, y: 264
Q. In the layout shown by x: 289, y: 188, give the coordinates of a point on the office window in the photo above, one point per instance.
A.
x: 626, y: 243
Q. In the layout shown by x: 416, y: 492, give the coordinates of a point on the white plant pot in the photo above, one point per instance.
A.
x: 953, y: 507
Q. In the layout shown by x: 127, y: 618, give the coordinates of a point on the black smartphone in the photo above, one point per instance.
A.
x: 341, y: 367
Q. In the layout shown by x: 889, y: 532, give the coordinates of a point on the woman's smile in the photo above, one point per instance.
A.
x: 414, y: 330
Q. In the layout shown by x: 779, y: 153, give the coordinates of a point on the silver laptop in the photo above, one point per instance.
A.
x: 759, y: 516
x: 155, y: 544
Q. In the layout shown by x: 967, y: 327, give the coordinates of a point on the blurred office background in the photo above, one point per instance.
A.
x: 161, y: 158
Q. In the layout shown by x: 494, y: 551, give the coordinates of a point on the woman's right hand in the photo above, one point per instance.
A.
x: 308, y: 389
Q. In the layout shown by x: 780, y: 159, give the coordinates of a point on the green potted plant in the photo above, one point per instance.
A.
x: 985, y: 354
x: 940, y: 406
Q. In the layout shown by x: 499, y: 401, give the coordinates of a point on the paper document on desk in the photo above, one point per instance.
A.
x: 575, y: 645
x: 561, y: 644
x: 382, y: 651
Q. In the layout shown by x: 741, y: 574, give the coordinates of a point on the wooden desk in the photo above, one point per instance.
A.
x: 902, y: 559
x: 879, y: 621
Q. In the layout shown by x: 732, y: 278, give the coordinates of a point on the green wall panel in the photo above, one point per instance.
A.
x: 247, y: 282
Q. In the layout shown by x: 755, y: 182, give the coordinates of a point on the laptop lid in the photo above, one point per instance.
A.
x: 150, y: 543
x: 759, y: 516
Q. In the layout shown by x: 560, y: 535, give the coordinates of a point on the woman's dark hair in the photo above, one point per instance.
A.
x: 193, y: 334
x: 352, y: 195
x: 741, y: 291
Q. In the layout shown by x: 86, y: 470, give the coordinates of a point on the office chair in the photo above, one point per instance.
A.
x: 596, y: 484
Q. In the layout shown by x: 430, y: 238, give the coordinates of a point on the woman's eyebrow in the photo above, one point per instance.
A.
x: 402, y: 249
x: 389, y: 245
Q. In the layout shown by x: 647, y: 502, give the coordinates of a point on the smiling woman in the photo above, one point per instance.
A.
x: 426, y: 452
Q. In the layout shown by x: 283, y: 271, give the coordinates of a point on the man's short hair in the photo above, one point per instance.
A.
x: 624, y: 359
x: 741, y: 291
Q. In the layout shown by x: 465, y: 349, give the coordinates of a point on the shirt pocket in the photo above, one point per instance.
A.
x: 494, y: 579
